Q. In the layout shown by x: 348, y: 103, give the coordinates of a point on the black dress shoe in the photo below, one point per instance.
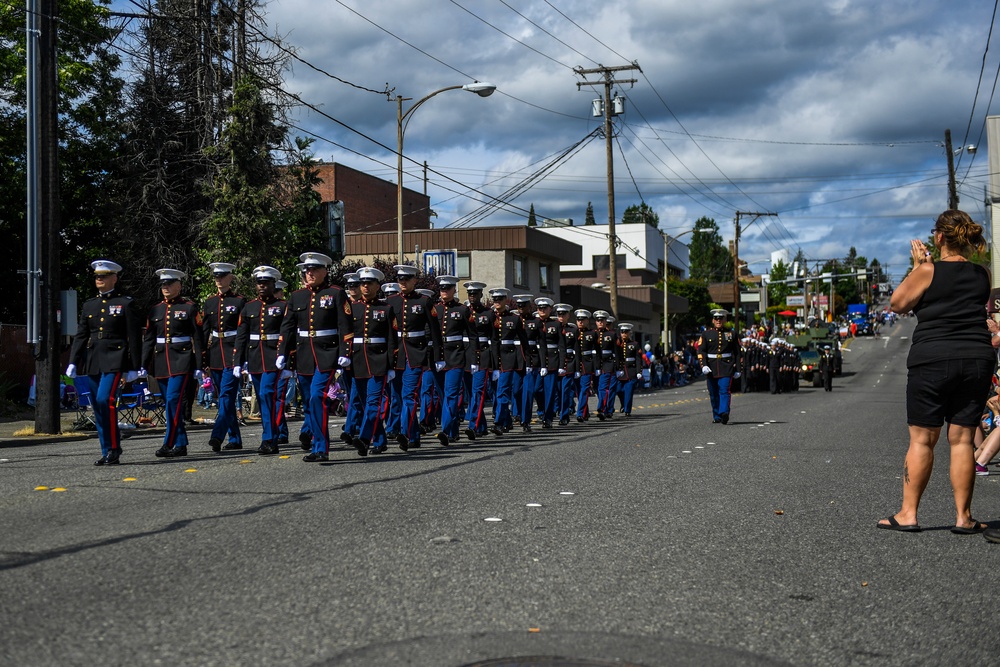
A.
x: 215, y: 444
x: 600, y: 415
x: 402, y: 441
x: 114, y: 457
x: 716, y: 421
x: 725, y: 417
x: 233, y: 445
x: 267, y: 448
x: 306, y: 441
x: 546, y: 424
x: 443, y: 438
x: 347, y: 437
x: 162, y: 452
x: 392, y: 436
x: 313, y: 457
x: 361, y: 446
x: 579, y: 420
x: 381, y: 449
x: 414, y: 444
x: 526, y: 428
x: 470, y: 434
x: 282, y: 441
x: 564, y: 421
x: 177, y: 451
x: 101, y: 461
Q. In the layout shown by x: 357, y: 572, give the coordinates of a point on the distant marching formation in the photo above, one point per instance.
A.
x: 409, y: 359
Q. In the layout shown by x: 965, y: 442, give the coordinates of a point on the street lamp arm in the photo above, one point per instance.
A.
x: 404, y: 118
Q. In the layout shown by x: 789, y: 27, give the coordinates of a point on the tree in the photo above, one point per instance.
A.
x: 588, y: 219
x: 89, y: 113
x: 699, y: 303
x: 532, y: 222
x: 777, y: 291
x: 639, y: 214
x: 709, y: 260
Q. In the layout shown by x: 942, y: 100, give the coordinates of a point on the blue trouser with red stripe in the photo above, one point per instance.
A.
x: 371, y: 392
x: 582, y: 402
x: 103, y: 388
x: 606, y: 393
x: 406, y: 390
x: 719, y: 395
x: 317, y: 417
x: 567, y: 385
x: 476, y: 415
x: 549, y: 385
x: 226, y: 421
x: 173, y: 389
x: 452, y: 383
x: 269, y: 399
x: 528, y: 386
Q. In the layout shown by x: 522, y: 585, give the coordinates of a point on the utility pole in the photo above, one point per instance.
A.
x: 47, y: 350
x: 952, y: 190
x: 736, y: 264
x: 607, y: 81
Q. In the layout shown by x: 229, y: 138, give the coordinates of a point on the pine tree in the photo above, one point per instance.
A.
x: 532, y: 222
x: 589, y: 217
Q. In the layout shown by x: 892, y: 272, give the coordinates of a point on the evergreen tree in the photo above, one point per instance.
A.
x: 588, y: 219
x: 532, y: 222
x: 639, y: 214
x: 709, y: 259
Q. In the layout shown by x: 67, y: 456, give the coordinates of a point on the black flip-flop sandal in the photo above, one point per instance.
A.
x: 974, y: 529
x: 897, y: 526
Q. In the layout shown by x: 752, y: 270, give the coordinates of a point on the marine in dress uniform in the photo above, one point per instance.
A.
x: 286, y: 384
x: 629, y: 371
x: 107, y: 348
x: 568, y: 377
x: 258, y: 331
x: 718, y: 352
x: 588, y: 363
x: 171, y: 350
x: 551, y: 357
x: 507, y: 341
x: 482, y: 357
x: 605, y: 365
x: 417, y: 339
x: 317, y: 317
x: 372, y: 352
x: 524, y: 395
x: 355, y: 410
x: 455, y: 321
x: 220, y: 318
x: 430, y: 393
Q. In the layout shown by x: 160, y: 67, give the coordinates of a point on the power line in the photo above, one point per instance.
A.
x: 509, y: 36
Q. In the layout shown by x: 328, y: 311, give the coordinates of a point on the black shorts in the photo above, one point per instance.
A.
x: 952, y: 390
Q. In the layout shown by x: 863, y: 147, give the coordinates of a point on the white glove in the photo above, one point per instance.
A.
x: 563, y: 372
x: 71, y: 370
x: 237, y: 372
x: 576, y: 375
x: 343, y: 362
x: 285, y: 374
x: 439, y: 366
x: 390, y: 375
x: 706, y: 370
x: 131, y: 376
x: 473, y: 368
x: 597, y: 372
x: 279, y: 363
x: 736, y: 375
x: 142, y: 372
x: 496, y: 375
x: 528, y: 369
x: 543, y: 372
x: 620, y: 374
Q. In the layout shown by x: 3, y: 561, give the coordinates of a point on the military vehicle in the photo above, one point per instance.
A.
x: 808, y: 342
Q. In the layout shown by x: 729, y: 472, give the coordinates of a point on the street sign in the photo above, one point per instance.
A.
x: 795, y: 300
x: 441, y: 262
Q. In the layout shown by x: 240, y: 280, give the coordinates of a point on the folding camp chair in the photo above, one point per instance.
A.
x: 153, y: 406
x: 84, y: 410
x: 130, y: 403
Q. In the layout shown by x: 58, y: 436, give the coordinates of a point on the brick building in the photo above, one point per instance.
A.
x: 370, y: 202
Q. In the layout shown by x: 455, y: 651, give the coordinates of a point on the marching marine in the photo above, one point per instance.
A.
x: 483, y: 320
x: 220, y: 318
x: 455, y: 322
x: 718, y: 351
x: 107, y: 345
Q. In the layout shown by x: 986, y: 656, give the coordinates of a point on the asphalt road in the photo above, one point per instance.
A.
x: 683, y: 543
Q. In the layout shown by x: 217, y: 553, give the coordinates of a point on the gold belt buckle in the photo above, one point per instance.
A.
x: 166, y: 339
x: 312, y: 333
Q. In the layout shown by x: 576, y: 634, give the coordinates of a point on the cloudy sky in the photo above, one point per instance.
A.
x: 830, y: 113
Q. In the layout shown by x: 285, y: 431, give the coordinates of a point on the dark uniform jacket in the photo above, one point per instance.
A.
x: 589, y: 351
x: 719, y: 350
x: 570, y: 345
x: 457, y: 333
x: 172, y: 342
x: 316, y: 322
x: 372, y: 346
x: 483, y: 319
x: 606, y: 341
x: 551, y: 348
x: 629, y: 354
x: 220, y: 319
x: 257, y: 335
x: 418, y: 339
x: 530, y: 352
x: 508, y: 340
x: 109, y: 335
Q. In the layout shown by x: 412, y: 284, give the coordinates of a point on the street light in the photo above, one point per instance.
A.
x: 667, y: 239
x: 480, y: 88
